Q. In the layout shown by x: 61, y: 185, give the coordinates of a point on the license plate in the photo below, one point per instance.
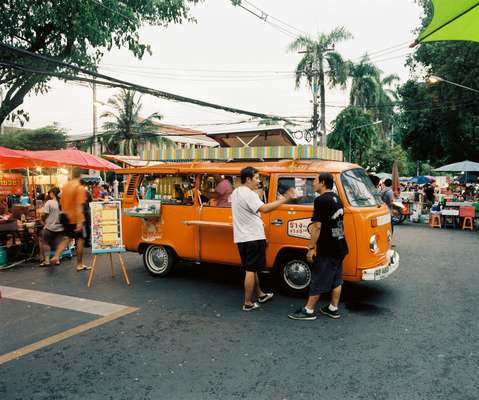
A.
x: 381, y: 271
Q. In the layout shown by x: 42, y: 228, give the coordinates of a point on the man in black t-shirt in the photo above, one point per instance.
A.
x: 327, y: 249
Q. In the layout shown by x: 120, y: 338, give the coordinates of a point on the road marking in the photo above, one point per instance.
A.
x: 61, y: 301
x: 107, y: 311
x: 65, y: 335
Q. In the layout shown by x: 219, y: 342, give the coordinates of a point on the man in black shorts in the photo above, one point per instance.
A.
x: 327, y: 249
x: 248, y: 233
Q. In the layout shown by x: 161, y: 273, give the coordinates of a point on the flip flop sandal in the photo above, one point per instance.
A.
x: 44, y: 264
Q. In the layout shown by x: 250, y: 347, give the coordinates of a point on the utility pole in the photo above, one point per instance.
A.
x: 315, y: 114
x: 1, y: 103
x: 316, y: 77
x: 93, y: 147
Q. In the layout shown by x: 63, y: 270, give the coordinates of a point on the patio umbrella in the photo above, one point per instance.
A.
x: 420, y: 180
x: 73, y: 158
x: 463, y: 166
x: 15, y: 159
x: 453, y: 20
x: 383, y: 175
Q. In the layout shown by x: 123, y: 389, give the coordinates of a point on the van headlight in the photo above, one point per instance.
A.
x: 373, y: 244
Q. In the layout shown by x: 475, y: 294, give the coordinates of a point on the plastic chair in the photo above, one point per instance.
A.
x: 435, y: 220
x: 468, y: 214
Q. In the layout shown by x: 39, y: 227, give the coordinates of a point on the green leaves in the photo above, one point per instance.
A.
x: 47, y: 138
x: 125, y: 130
x: 75, y: 31
x: 353, y: 132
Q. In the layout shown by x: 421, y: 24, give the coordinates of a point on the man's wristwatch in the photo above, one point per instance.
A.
x: 311, y: 248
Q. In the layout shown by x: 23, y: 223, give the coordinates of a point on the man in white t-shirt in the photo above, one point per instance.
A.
x: 248, y: 232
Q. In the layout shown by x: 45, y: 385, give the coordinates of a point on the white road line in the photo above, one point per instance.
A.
x: 61, y: 301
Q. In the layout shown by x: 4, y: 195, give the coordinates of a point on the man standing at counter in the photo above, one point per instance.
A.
x: 249, y: 235
x: 327, y: 249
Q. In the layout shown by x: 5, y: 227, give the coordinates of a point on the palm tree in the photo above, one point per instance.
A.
x: 311, y: 68
x: 387, y: 99
x: 126, y: 130
x: 373, y: 93
x: 365, y: 84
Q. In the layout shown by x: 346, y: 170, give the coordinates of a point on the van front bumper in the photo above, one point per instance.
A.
x: 383, y: 271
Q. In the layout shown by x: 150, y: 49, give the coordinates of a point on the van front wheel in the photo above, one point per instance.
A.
x: 158, y: 260
x: 296, y: 276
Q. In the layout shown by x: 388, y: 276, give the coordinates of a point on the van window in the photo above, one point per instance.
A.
x: 304, y: 189
x: 359, y: 189
x: 170, y: 189
x: 216, y: 189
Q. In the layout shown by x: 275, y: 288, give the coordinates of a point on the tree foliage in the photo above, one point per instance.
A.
x: 353, y: 126
x: 382, y: 155
x: 311, y: 68
x: 75, y: 31
x: 47, y: 138
x: 440, y: 122
x: 125, y: 130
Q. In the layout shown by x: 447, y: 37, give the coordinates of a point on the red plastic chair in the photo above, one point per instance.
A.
x: 468, y: 214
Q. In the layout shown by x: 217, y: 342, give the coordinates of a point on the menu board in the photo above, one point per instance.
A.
x: 11, y: 184
x: 106, y: 227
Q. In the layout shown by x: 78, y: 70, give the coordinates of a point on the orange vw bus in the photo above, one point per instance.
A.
x: 171, y: 212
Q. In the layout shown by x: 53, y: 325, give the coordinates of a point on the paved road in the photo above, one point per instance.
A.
x: 413, y: 336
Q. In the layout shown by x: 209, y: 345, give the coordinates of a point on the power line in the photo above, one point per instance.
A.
x: 113, y: 82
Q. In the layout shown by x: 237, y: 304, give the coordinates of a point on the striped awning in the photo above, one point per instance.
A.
x: 300, y: 152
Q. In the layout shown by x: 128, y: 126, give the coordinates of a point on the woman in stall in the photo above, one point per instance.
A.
x: 52, y: 232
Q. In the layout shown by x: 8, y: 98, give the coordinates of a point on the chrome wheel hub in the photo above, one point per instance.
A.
x: 297, y: 274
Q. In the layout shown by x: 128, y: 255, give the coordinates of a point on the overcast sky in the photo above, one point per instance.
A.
x: 233, y: 58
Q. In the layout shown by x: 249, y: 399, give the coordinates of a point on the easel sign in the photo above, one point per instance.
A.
x: 106, y: 234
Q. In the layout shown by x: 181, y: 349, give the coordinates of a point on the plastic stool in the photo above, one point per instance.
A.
x: 468, y: 224
x: 435, y: 221
x: 468, y: 214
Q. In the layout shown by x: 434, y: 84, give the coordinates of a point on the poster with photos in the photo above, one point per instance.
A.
x: 106, y: 236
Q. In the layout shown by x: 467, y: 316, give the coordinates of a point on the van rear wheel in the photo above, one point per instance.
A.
x: 158, y: 260
x: 295, y: 276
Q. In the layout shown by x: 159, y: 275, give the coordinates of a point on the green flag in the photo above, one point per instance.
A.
x: 453, y: 20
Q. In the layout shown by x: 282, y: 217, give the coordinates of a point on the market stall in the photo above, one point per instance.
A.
x: 20, y: 221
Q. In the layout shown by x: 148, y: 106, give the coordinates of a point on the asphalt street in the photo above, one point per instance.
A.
x: 412, y: 336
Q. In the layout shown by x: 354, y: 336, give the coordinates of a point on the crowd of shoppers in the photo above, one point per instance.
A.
x: 66, y: 217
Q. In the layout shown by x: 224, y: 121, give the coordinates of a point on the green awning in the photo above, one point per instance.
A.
x: 453, y: 20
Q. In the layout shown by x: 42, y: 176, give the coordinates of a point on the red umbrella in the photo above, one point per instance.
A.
x: 13, y: 159
x: 72, y: 157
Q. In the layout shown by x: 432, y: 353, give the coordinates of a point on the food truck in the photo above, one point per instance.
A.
x: 170, y: 213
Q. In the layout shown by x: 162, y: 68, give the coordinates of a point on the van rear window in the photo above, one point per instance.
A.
x: 359, y: 189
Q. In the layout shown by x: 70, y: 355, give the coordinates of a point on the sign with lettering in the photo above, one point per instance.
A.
x: 299, y: 228
x: 11, y: 184
x: 106, y: 227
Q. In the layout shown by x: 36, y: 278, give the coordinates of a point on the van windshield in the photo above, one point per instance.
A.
x: 359, y: 189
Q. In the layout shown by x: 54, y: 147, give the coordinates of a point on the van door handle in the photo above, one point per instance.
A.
x: 277, y: 222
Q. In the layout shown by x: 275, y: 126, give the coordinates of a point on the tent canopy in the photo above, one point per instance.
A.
x: 421, y: 180
x: 12, y: 159
x: 453, y: 20
x: 463, y: 166
x: 73, y: 158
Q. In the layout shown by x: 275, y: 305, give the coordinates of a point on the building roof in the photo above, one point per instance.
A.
x: 258, y: 136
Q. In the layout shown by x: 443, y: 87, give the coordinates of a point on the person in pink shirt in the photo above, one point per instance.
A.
x: 223, y: 190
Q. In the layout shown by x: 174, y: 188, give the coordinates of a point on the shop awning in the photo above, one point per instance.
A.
x: 14, y: 159
x: 453, y: 20
x: 72, y: 158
